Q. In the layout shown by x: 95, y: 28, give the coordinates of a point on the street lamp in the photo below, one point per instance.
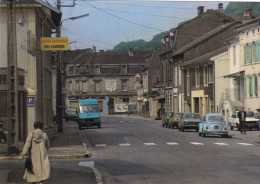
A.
x: 59, y: 107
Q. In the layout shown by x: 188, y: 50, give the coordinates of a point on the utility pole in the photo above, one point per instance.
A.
x: 12, y: 93
x: 59, y: 110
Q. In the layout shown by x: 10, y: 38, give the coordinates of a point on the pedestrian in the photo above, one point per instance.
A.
x: 242, y: 120
x: 39, y: 143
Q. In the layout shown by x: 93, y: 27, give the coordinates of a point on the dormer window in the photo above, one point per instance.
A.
x: 124, y: 69
x: 97, y: 69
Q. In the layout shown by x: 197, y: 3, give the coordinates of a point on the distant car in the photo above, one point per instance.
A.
x: 214, y: 124
x: 251, y: 121
x: 165, y: 119
x: 132, y: 111
x: 174, y: 119
x: 71, y: 114
x: 189, y: 121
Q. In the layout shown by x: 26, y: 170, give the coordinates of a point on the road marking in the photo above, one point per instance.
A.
x: 150, y: 144
x: 196, y: 143
x: 87, y: 164
x: 221, y: 143
x: 124, y: 144
x: 121, y: 121
x: 245, y: 144
x: 100, y: 145
x: 172, y: 143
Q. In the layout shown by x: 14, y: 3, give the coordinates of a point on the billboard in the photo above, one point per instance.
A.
x: 121, y: 108
x: 54, y: 43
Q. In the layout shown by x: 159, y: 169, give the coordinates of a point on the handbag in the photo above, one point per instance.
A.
x: 28, y: 162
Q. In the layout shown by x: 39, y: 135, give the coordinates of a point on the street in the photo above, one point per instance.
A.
x: 127, y: 150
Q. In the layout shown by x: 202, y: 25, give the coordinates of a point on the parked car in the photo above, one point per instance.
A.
x: 165, y: 119
x: 251, y: 121
x: 132, y: 111
x: 189, y: 121
x: 213, y: 124
x: 71, y: 114
x: 174, y: 119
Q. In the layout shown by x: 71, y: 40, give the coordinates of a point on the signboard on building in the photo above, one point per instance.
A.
x: 54, y: 43
x: 30, y: 102
x: 121, y: 107
x: 110, y: 85
x: 31, y: 43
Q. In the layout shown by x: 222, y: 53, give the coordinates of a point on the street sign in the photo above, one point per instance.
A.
x: 30, y: 102
x: 54, y: 43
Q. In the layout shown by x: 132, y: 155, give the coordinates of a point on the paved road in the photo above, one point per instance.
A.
x: 134, y: 151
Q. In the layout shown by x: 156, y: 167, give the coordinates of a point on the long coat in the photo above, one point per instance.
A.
x: 39, y: 155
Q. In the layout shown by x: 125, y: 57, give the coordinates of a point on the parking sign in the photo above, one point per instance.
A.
x: 30, y: 101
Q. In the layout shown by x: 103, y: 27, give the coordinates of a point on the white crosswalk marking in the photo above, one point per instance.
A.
x: 100, y: 145
x: 150, y: 144
x: 196, y: 143
x: 245, y: 144
x: 124, y: 144
x: 172, y: 143
x: 221, y: 143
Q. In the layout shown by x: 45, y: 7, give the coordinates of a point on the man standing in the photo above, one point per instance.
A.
x: 242, y: 120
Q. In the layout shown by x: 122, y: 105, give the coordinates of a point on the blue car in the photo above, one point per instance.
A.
x: 213, y: 124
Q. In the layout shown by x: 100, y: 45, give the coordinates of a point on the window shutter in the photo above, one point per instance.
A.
x: 255, y: 86
x: 245, y: 54
x: 250, y: 52
x: 255, y: 51
x: 258, y: 50
x: 245, y: 90
x: 250, y: 86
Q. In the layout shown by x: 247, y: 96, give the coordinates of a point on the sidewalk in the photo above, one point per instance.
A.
x: 250, y: 136
x: 70, y: 144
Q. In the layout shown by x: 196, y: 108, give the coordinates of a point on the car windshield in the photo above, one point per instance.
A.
x: 88, y: 108
x: 192, y: 116
x: 178, y: 115
x: 215, y: 118
x: 250, y: 114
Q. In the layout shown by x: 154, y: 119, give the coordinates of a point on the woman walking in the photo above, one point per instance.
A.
x: 39, y: 144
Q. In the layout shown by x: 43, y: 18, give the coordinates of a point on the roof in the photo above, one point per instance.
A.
x: 204, y: 58
x: 255, y: 20
x: 110, y: 58
x: 234, y: 75
x: 204, y: 37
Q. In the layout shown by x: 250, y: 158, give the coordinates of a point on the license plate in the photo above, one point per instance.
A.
x: 216, y: 127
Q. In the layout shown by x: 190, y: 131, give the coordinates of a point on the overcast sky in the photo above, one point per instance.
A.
x: 111, y: 22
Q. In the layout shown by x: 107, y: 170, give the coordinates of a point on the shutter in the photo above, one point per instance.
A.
x: 250, y: 86
x: 255, y: 51
x: 258, y: 50
x: 250, y: 52
x: 245, y: 54
x: 255, y: 86
x: 245, y: 90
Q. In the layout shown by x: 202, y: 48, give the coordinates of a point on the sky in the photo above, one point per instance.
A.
x: 112, y: 22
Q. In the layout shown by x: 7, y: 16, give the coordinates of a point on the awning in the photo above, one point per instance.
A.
x: 234, y: 75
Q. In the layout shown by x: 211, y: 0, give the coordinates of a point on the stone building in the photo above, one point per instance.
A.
x: 106, y: 76
x: 33, y: 21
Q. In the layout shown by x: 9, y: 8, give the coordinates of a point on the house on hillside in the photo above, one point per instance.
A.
x: 109, y: 77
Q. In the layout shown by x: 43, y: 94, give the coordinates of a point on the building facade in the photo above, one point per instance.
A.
x: 109, y: 77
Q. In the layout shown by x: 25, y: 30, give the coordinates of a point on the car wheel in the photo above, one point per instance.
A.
x: 99, y: 126
x: 199, y: 134
x: 204, y: 135
x: 162, y: 124
x: 182, y: 129
x: 179, y: 129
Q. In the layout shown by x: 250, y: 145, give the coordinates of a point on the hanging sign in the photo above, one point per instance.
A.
x: 54, y: 43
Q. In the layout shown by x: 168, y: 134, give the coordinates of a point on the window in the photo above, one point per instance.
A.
x: 234, y: 55
x: 249, y: 57
x: 206, y: 75
x: 97, y: 69
x: 188, y: 83
x: 197, y: 76
x: 245, y: 90
x: 84, y: 86
x: 124, y: 69
x: 124, y: 85
x: 176, y: 76
x: 77, y: 86
x: 245, y: 53
x: 255, y: 85
x: 250, y: 85
x: 210, y: 73
x: 97, y: 86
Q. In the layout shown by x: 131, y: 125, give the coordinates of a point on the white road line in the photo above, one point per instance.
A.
x: 196, y: 143
x: 100, y: 145
x: 221, y: 143
x: 124, y: 144
x: 245, y: 144
x: 172, y: 143
x: 150, y: 144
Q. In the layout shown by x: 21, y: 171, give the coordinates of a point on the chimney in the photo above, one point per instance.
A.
x: 220, y: 7
x: 131, y: 52
x: 94, y: 48
x: 200, y: 10
x: 247, y: 14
